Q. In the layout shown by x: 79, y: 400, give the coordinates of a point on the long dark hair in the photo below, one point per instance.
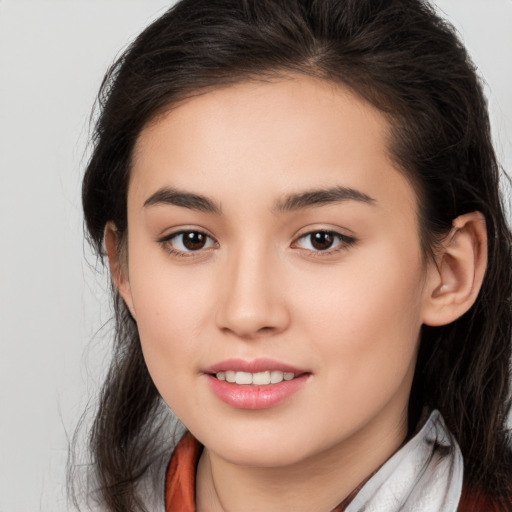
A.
x: 405, y: 60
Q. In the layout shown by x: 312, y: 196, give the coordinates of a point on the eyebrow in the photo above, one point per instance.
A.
x: 321, y: 197
x: 184, y: 199
x: 292, y: 202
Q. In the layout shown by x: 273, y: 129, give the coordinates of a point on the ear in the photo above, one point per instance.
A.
x: 454, y: 281
x: 118, y: 263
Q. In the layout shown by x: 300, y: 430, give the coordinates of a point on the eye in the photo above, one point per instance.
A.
x: 185, y: 242
x: 324, y: 241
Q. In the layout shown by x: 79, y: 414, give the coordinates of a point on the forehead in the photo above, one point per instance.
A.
x: 271, y: 137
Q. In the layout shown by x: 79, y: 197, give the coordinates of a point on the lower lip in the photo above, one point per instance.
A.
x: 248, y: 396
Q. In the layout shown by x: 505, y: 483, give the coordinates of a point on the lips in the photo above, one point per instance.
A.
x: 254, y: 366
x: 257, y: 384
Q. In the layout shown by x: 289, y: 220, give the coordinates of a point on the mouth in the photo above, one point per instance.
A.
x: 263, y: 378
x: 257, y: 372
x: 257, y: 384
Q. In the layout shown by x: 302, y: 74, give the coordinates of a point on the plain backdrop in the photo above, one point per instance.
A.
x: 53, y: 301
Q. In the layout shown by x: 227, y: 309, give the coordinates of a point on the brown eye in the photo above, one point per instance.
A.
x: 193, y: 240
x: 324, y: 241
x: 185, y: 242
x: 321, y: 240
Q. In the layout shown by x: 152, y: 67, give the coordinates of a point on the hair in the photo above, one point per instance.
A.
x: 402, y: 58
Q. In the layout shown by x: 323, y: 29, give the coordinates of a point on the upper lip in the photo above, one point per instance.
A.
x: 253, y: 366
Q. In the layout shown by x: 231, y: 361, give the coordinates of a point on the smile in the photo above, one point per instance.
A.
x: 258, y: 379
x: 256, y: 384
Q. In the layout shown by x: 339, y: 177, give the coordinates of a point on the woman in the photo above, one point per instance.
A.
x: 300, y: 207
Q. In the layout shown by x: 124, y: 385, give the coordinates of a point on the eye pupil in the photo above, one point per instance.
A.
x: 322, y: 240
x: 194, y: 240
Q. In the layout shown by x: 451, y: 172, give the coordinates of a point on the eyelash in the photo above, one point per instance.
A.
x: 167, y: 240
x: 343, y: 243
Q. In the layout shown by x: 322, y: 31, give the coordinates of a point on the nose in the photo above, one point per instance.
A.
x: 253, y: 300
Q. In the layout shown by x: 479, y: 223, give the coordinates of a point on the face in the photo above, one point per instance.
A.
x: 272, y: 242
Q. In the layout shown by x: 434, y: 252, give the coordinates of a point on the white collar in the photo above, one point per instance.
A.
x: 425, y: 475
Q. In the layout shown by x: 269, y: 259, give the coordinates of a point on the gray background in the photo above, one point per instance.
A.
x: 53, y: 303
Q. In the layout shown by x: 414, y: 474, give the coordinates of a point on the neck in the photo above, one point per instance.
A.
x: 316, y: 484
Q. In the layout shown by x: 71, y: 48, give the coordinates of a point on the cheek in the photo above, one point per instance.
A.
x: 168, y: 325
x: 365, y: 318
x: 173, y: 312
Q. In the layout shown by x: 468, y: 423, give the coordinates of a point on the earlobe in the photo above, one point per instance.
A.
x: 118, y: 264
x: 454, y: 282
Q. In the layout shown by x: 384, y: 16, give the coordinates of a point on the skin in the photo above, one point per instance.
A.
x: 349, y: 315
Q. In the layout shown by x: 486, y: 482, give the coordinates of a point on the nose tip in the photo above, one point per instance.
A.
x: 249, y: 324
x: 253, y: 304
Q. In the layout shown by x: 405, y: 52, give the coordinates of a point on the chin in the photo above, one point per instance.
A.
x: 264, y: 451
x: 257, y: 457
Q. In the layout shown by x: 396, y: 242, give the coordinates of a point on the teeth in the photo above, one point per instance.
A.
x: 276, y: 376
x: 261, y: 378
x: 258, y: 379
x: 243, y: 378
